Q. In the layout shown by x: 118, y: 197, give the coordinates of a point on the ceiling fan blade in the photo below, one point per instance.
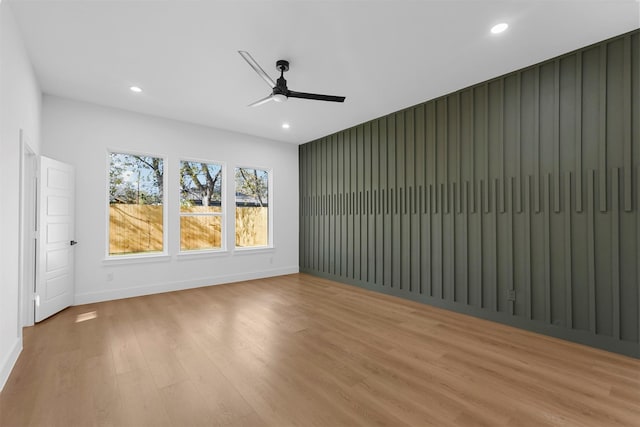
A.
x: 261, y: 101
x: 315, y: 96
x: 247, y: 57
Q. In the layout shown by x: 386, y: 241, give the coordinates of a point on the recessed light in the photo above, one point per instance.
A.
x: 285, y: 126
x: 499, y: 28
x: 135, y: 89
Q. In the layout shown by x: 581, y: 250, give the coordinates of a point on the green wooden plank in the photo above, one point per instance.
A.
x: 420, y: 146
x: 627, y: 124
x: 501, y: 148
x: 602, y: 128
x: 367, y: 223
x: 465, y: 236
x: 547, y: 207
x: 415, y: 237
x: 615, y: 251
x: 556, y: 136
x: 426, y: 242
x: 510, y: 259
x: 591, y: 250
x: 431, y: 150
x: 457, y: 125
x: 388, y: 238
x: 518, y: 144
x: 528, y: 208
x: 494, y: 247
x: 578, y: 140
x: 568, y: 251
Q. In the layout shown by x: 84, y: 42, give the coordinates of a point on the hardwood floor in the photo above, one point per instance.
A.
x: 299, y: 350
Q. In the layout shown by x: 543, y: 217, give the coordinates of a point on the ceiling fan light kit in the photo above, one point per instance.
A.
x: 279, y: 90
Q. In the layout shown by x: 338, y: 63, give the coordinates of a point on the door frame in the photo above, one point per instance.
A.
x: 28, y: 245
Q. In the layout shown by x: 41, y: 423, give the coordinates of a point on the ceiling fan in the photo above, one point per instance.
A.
x: 279, y: 90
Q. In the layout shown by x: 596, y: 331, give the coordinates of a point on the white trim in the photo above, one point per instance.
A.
x: 9, y: 362
x: 28, y: 208
x: 201, y: 253
x: 128, y: 292
x: 201, y: 214
x: 135, y: 259
x: 253, y: 250
x: 270, y: 210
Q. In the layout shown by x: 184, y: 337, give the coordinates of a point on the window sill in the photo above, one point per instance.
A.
x: 253, y: 251
x: 136, y: 259
x: 186, y: 255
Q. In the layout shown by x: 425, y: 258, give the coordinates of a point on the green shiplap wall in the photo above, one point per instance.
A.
x: 514, y: 200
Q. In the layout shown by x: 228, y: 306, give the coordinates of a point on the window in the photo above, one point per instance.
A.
x: 136, y: 208
x: 252, y: 207
x: 200, y: 206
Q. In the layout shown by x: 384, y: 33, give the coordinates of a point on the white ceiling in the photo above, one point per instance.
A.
x: 382, y: 55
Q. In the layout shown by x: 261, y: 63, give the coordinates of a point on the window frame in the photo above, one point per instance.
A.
x: 222, y: 214
x: 164, y: 254
x: 270, y: 245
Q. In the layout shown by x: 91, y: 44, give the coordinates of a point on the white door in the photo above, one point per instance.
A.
x: 55, y: 283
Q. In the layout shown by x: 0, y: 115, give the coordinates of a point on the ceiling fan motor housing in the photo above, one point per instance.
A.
x: 282, y: 65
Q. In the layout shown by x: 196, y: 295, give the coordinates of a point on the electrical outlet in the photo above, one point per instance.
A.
x: 109, y: 277
x: 511, y: 295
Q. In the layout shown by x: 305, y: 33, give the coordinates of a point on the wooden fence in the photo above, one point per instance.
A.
x: 134, y: 229
x: 252, y: 226
x: 138, y: 229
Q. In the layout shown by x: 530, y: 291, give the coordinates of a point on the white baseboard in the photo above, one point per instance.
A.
x: 9, y: 362
x: 112, y: 294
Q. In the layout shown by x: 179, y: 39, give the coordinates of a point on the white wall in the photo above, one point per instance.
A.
x: 81, y: 134
x: 19, y: 109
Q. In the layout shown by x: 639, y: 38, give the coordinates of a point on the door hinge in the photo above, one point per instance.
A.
x: 36, y: 298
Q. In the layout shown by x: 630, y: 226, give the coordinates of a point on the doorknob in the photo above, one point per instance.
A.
x: 73, y: 242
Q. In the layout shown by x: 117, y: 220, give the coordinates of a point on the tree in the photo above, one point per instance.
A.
x: 254, y: 183
x: 200, y: 181
x: 156, y: 165
x: 135, y: 179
